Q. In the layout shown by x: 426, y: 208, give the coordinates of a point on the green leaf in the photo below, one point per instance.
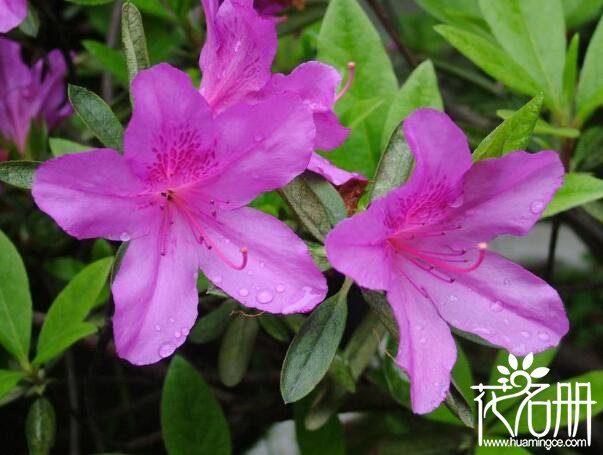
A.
x: 484, y: 450
x: 60, y: 147
x: 209, y: 327
x: 134, y: 41
x: 464, y: 13
x: 381, y: 308
x: 512, y: 134
x: 394, y: 166
x: 587, y: 155
x: 64, y: 324
x: 539, y: 420
x: 490, y: 58
x: 31, y: 24
x: 419, y: 90
x: 347, y: 35
x: 192, y: 421
x: 15, y: 302
x: 315, y: 202
x: 8, y: 380
x: 578, y: 12
x: 542, y: 126
x: 274, y: 327
x: 570, y: 72
x: 589, y: 95
x: 577, y: 189
x: 329, y: 439
x: 19, y: 173
x: 533, y: 33
x: 112, y: 60
x: 236, y: 349
x: 97, y: 116
x: 313, y: 348
x: 40, y: 427
x: 462, y: 377
x: 341, y: 374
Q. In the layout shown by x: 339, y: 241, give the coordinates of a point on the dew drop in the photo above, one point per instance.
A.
x: 262, y: 265
x: 457, y: 202
x: 157, y: 328
x: 506, y: 321
x: 177, y: 334
x: 423, y: 340
x: 243, y: 292
x: 496, y: 306
x: 166, y: 349
x: 544, y: 336
x: 525, y: 334
x: 217, y: 279
x: 306, y: 289
x: 250, y: 272
x: 507, y: 283
x: 280, y: 288
x: 171, y: 320
x: 124, y: 237
x: 537, y: 207
x: 258, y: 137
x: 264, y: 297
x: 453, y: 298
x: 185, y: 331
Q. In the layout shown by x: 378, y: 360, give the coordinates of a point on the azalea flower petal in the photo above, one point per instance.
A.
x: 355, y: 247
x: 426, y: 349
x: 238, y: 52
x: 12, y: 13
x: 508, y: 195
x: 263, y: 147
x: 332, y: 173
x: 50, y: 99
x: 280, y: 276
x: 439, y: 147
x: 156, y: 295
x: 330, y: 133
x: 92, y: 194
x: 500, y: 302
x: 170, y: 136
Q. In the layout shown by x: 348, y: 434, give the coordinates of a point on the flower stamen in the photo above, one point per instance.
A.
x: 348, y: 84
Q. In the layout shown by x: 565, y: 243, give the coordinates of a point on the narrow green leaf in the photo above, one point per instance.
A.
x: 542, y: 126
x: 381, y: 308
x: 210, y: 326
x: 348, y: 35
x: 341, y: 374
x: 419, y: 90
x: 64, y: 324
x: 134, y: 40
x: 533, y: 33
x: 589, y: 95
x: 462, y: 377
x: 8, y: 380
x: 97, y: 116
x: 588, y: 156
x: 463, y: 13
x: 578, y: 12
x: 40, y: 427
x: 512, y: 134
x: 236, y: 349
x: 577, y: 189
x: 112, y: 60
x: 192, y: 421
x: 394, y: 166
x: 31, y: 25
x: 490, y: 58
x: 313, y: 348
x: 60, y: 147
x: 274, y: 327
x: 18, y: 173
x: 15, y: 302
x: 570, y: 72
x: 315, y: 202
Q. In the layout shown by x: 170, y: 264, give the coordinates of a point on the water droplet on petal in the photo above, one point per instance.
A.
x: 537, y: 207
x: 258, y: 137
x: 420, y: 327
x: 217, y: 279
x: 124, y: 237
x: 423, y: 340
x: 243, y: 292
x: 280, y: 288
x: 262, y: 265
x: 453, y: 298
x: 544, y: 336
x: 457, y: 202
x: 166, y: 349
x: 525, y: 334
x: 496, y: 306
x: 306, y: 289
x: 250, y: 272
x: 177, y: 334
x: 507, y: 283
x: 157, y: 328
x: 185, y: 331
x: 264, y: 297
x: 171, y: 320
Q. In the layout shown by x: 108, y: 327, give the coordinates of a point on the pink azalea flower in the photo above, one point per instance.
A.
x: 12, y: 13
x: 178, y: 195
x: 30, y: 94
x: 236, y: 62
x: 424, y: 244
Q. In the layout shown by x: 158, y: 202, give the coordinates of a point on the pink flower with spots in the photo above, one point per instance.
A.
x: 425, y: 245
x: 178, y: 196
x: 12, y: 13
x: 30, y: 94
x: 236, y: 61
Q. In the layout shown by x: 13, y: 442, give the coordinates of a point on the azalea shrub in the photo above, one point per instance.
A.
x: 299, y: 226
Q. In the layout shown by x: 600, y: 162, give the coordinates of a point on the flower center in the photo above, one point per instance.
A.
x: 201, y: 235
